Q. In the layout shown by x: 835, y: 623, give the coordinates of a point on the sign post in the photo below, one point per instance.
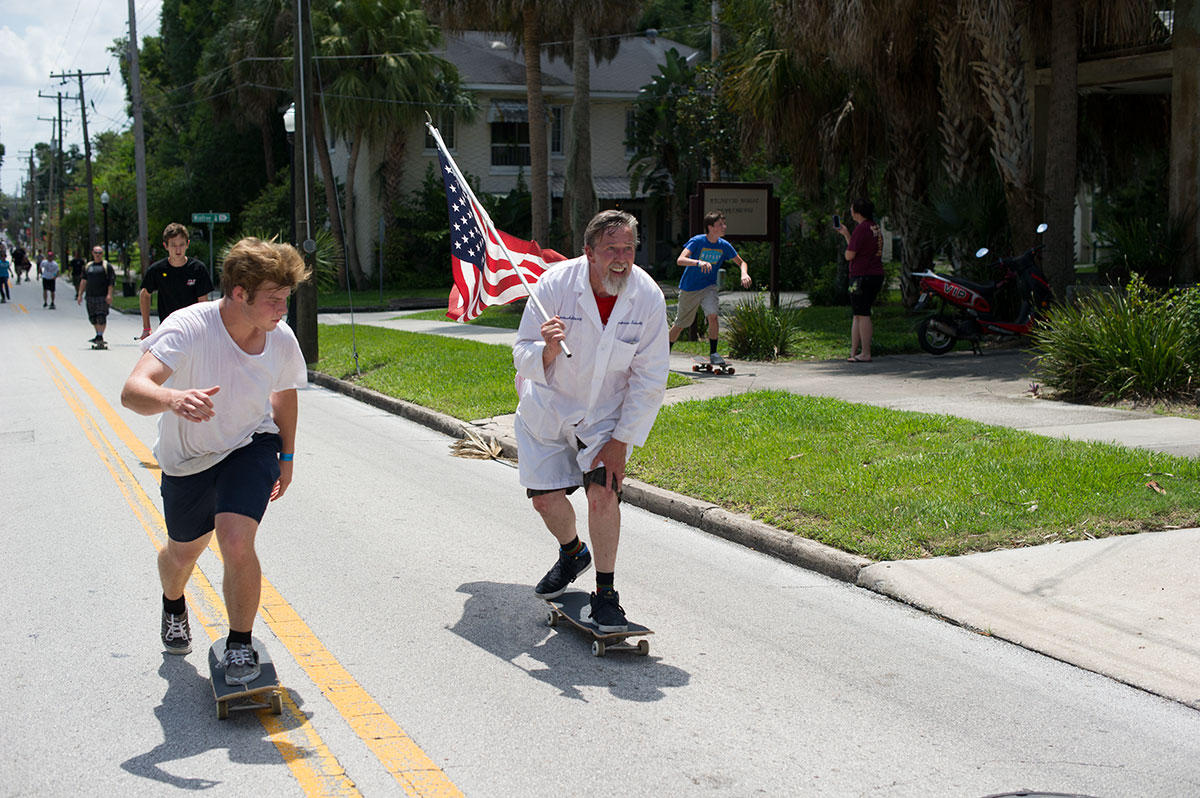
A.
x: 210, y: 219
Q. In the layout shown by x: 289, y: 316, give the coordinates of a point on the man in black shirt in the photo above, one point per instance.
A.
x: 76, y: 263
x: 179, y: 280
x: 97, y: 285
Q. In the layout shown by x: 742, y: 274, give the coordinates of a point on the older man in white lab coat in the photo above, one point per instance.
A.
x: 579, y: 416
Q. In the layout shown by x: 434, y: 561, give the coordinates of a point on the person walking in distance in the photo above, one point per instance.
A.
x: 223, y: 377
x: 4, y: 270
x: 702, y: 258
x: 48, y: 269
x: 96, y: 286
x: 579, y: 417
x: 178, y: 280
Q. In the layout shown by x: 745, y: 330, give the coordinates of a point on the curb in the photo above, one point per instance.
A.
x: 706, y: 517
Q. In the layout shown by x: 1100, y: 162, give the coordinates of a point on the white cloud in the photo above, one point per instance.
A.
x: 41, y: 37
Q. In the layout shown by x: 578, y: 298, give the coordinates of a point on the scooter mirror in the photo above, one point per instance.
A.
x: 982, y: 252
x: 1043, y: 227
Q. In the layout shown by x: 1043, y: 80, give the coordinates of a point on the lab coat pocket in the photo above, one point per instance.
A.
x: 622, y: 355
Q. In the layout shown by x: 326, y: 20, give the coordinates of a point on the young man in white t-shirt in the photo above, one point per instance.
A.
x: 223, y: 375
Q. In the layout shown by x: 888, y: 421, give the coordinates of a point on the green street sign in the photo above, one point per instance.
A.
x: 210, y: 218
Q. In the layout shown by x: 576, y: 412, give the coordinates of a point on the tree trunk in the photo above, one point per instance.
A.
x: 393, y: 167
x: 1063, y: 124
x: 348, y: 221
x: 268, y: 144
x: 579, y: 183
x: 999, y: 30
x: 331, y: 197
x: 538, y: 179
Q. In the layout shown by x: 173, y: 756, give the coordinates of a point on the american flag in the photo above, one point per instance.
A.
x: 483, y: 274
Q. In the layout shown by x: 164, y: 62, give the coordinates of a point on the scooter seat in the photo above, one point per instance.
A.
x: 980, y: 288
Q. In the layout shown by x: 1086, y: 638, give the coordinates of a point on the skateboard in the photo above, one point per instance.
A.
x: 99, y: 345
x: 262, y: 693
x: 713, y: 364
x: 575, y: 607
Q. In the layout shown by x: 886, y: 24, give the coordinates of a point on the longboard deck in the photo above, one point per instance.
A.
x: 575, y: 607
x: 262, y: 693
x: 702, y: 363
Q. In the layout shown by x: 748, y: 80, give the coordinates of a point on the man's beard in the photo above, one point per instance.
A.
x: 615, y: 283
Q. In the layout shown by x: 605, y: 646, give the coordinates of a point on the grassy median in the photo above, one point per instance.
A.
x: 882, y: 483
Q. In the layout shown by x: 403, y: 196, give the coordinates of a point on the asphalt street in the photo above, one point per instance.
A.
x: 399, y: 611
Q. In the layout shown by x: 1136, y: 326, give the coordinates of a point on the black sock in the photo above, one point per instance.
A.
x: 604, y: 581
x: 712, y: 346
x: 572, y: 548
x: 174, y: 606
x: 238, y: 637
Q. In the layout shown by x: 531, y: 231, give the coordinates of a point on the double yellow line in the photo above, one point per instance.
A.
x: 311, y: 762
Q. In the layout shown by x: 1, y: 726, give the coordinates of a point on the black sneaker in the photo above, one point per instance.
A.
x: 176, y: 633
x: 564, y: 572
x: 240, y: 664
x: 607, y: 613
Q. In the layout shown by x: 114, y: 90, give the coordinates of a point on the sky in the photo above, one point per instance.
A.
x: 40, y: 37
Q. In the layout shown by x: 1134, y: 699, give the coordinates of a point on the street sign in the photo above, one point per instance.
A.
x: 210, y: 218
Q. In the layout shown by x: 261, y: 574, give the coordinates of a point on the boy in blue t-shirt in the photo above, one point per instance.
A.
x: 702, y: 258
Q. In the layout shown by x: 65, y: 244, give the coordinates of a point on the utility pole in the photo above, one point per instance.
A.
x: 53, y: 171
x: 87, y: 150
x: 139, y: 141
x: 306, y: 292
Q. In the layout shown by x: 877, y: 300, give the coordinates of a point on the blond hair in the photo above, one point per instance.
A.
x: 252, y: 262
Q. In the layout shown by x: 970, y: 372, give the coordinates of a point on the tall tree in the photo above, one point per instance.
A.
x: 593, y: 30
x: 243, y: 67
x: 529, y: 23
x: 384, y: 78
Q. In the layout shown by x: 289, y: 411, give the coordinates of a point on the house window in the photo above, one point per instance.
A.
x: 509, y: 123
x: 556, y: 130
x: 446, y: 128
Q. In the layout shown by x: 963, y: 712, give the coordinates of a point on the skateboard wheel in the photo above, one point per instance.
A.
x: 597, y: 648
x: 729, y: 370
x: 552, y: 618
x: 643, y: 648
x: 695, y: 368
x: 222, y: 710
x: 276, y: 704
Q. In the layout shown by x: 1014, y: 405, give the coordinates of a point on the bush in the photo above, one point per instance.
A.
x: 1146, y: 246
x: 756, y: 332
x: 1133, y: 343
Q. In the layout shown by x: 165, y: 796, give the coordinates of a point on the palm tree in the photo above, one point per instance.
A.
x: 593, y: 26
x: 384, y: 79
x: 242, y: 64
x: 529, y: 23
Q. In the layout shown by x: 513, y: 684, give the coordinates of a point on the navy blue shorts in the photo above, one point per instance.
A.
x: 241, y: 483
x: 863, y: 291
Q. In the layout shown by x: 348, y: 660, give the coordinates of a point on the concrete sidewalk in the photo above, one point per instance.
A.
x: 1124, y: 607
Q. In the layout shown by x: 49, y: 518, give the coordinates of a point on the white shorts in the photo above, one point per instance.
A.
x: 707, y: 299
x: 552, y: 465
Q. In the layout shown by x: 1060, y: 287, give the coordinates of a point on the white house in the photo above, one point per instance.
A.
x: 495, y: 146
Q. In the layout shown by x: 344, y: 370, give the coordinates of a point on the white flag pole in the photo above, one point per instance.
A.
x: 487, y: 220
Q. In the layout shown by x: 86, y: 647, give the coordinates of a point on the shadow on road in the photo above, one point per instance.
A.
x: 508, y: 621
x: 190, y: 727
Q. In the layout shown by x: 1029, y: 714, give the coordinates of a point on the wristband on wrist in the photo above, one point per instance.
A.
x: 145, y: 329
x: 287, y: 458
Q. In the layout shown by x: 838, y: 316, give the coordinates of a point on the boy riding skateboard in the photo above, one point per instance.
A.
x: 702, y: 258
x: 223, y: 377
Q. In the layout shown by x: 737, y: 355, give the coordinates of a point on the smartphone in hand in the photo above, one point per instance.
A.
x: 837, y: 222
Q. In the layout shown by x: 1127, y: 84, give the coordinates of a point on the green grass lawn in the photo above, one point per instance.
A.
x: 885, y: 484
x: 894, y: 485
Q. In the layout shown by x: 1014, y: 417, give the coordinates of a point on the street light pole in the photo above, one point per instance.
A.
x: 104, y: 204
x: 289, y: 127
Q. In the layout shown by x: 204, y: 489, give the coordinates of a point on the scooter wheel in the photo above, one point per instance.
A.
x: 932, y: 340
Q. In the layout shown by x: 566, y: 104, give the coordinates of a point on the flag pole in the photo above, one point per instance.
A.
x: 487, y: 220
